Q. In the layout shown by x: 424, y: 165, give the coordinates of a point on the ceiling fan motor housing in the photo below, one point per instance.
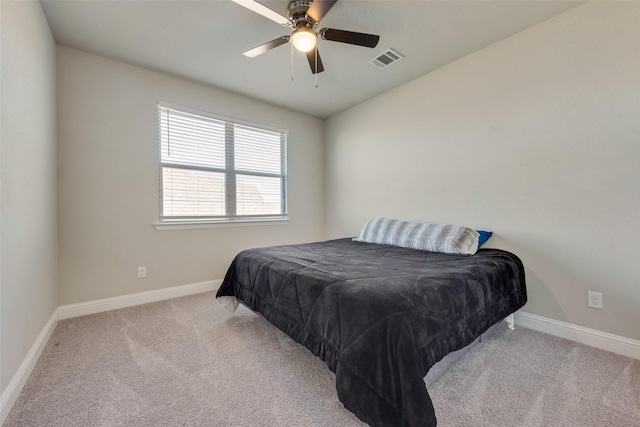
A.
x: 297, y: 11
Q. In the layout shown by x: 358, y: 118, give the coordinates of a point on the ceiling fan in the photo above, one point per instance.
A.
x: 303, y: 17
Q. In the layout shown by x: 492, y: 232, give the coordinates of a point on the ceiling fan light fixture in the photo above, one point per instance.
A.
x: 303, y: 16
x: 304, y: 39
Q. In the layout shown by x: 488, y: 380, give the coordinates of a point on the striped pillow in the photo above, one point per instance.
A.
x: 448, y: 239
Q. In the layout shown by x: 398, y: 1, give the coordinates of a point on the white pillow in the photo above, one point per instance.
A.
x: 450, y: 239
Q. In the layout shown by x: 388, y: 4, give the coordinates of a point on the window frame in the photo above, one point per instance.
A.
x: 230, y: 172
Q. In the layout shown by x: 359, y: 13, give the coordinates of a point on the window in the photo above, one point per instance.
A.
x: 218, y: 169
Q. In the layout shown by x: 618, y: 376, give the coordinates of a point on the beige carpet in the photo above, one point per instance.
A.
x: 189, y: 362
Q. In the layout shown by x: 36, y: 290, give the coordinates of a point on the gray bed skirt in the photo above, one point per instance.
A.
x: 450, y: 359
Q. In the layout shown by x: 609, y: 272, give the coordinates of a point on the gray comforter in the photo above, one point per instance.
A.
x: 379, y: 316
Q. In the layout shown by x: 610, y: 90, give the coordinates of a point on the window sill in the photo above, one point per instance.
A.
x: 223, y: 223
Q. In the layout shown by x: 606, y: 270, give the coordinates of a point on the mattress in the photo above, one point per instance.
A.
x: 380, y: 316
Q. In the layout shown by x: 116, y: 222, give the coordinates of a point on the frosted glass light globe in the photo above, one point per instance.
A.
x: 304, y: 39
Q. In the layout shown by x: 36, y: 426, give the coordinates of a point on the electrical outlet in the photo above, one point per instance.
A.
x: 594, y: 299
x: 142, y: 272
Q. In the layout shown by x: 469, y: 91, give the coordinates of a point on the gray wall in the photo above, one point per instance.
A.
x: 536, y: 138
x: 28, y: 220
x: 108, y: 180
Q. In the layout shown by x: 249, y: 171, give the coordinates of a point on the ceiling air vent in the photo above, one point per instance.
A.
x: 386, y: 58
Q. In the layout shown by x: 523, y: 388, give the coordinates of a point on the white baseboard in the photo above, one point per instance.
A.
x: 98, y: 306
x: 11, y: 393
x: 591, y: 337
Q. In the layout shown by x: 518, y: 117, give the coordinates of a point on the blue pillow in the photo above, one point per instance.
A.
x: 484, y: 236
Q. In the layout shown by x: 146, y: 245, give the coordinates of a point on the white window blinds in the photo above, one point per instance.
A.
x: 215, y: 168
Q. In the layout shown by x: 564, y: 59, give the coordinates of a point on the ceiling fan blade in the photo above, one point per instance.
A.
x: 319, y: 9
x: 267, y: 46
x: 311, y: 56
x: 360, y: 39
x: 264, y: 11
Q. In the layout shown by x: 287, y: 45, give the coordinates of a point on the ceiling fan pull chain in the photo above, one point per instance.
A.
x: 316, y: 55
x: 291, y: 61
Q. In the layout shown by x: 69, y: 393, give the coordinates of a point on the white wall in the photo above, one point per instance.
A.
x: 108, y: 180
x: 28, y: 220
x: 536, y: 138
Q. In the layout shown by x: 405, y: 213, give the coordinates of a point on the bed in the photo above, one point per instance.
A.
x: 380, y: 316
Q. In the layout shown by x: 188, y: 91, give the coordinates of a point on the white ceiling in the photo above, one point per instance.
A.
x: 204, y: 41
